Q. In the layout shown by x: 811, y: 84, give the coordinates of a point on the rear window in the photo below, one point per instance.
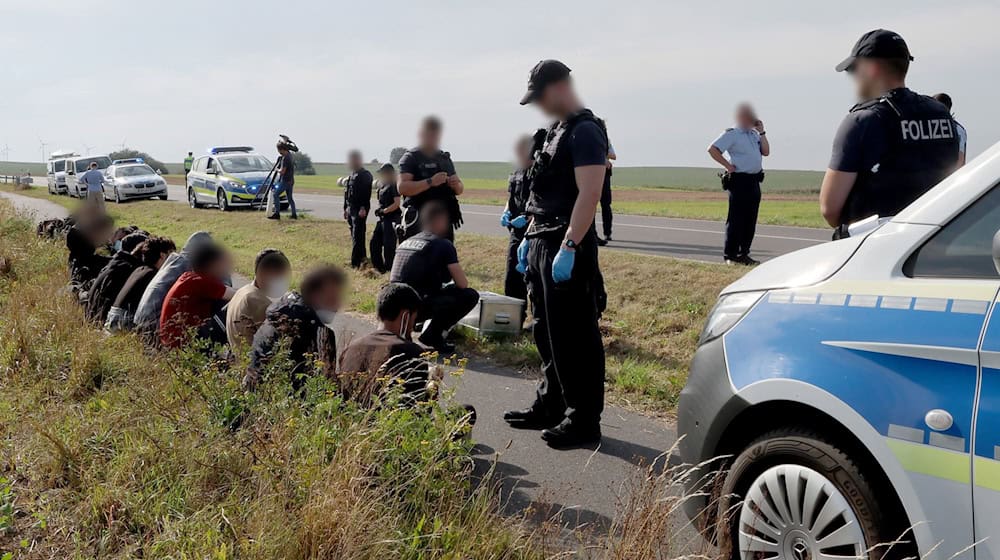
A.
x: 103, y: 162
x: 964, y: 247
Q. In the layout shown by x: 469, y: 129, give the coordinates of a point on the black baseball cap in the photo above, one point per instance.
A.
x: 880, y: 43
x: 544, y: 73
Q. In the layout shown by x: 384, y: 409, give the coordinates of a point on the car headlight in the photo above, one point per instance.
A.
x: 234, y: 186
x: 727, y: 311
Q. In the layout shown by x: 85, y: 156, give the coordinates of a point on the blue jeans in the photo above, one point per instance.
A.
x: 279, y: 188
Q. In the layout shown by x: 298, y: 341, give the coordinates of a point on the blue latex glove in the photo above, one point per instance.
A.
x: 505, y: 218
x: 562, y: 265
x: 522, y: 257
x: 519, y: 222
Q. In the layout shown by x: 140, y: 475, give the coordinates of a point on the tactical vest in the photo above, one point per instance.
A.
x: 553, y: 177
x: 188, y: 162
x: 518, y: 187
x: 922, y: 149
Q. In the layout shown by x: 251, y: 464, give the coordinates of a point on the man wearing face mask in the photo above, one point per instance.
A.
x: 302, y: 319
x: 371, y: 362
x: 248, y: 307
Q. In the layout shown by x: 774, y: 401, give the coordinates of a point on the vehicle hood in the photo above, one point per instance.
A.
x: 252, y: 180
x: 139, y: 178
x: 804, y: 267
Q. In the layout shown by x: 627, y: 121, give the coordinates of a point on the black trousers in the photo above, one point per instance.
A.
x: 513, y: 281
x: 445, y: 309
x: 566, y: 331
x: 358, y: 238
x: 741, y: 222
x: 606, y: 216
x: 383, y: 244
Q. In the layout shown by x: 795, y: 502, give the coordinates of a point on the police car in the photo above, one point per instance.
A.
x: 850, y: 392
x: 132, y: 178
x: 229, y: 177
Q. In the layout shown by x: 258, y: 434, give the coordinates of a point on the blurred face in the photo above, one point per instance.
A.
x: 329, y: 298
x: 553, y: 99
x: 354, y: 160
x: 430, y: 139
x: 222, y: 267
x: 745, y: 116
x: 866, y: 74
x: 387, y: 177
x: 522, y: 154
x: 161, y: 260
x: 439, y: 226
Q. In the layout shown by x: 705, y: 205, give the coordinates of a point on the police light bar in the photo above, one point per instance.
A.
x: 224, y: 149
x: 129, y: 160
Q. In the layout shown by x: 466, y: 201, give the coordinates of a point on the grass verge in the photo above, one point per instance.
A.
x: 656, y: 305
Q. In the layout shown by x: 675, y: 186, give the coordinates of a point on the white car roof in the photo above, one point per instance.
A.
x: 954, y: 194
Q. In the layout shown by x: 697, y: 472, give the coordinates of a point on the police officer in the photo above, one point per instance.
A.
x: 746, y: 145
x: 893, y: 146
x: 963, y: 136
x: 607, y: 216
x: 357, y: 204
x: 383, y: 243
x: 559, y: 254
x: 427, y: 173
x: 188, y: 163
x: 514, y: 217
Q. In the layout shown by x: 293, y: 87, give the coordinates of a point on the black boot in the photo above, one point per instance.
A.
x: 530, y: 419
x: 568, y: 435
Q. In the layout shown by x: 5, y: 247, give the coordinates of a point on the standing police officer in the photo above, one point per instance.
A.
x: 427, y: 173
x: 383, y: 243
x: 746, y: 145
x: 893, y: 146
x: 357, y: 204
x: 963, y: 136
x: 188, y: 162
x: 559, y: 255
x: 514, y: 217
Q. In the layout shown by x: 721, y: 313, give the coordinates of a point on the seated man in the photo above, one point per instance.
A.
x: 370, y: 362
x: 193, y: 300
x: 113, y: 276
x: 89, y: 233
x: 147, y: 314
x: 152, y: 254
x: 248, y: 307
x: 303, y: 321
x: 426, y: 262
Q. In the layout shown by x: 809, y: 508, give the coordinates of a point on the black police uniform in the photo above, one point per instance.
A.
x: 383, y: 243
x: 357, y: 197
x: 607, y: 216
x: 900, y: 145
x: 518, y: 187
x: 566, y: 330
x: 423, y: 167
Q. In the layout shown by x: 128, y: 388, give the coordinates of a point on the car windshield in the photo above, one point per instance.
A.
x: 103, y: 162
x: 134, y: 171
x: 244, y: 163
x: 59, y: 165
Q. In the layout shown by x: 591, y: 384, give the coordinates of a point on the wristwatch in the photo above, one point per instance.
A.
x: 570, y: 244
x: 429, y: 182
x: 763, y: 133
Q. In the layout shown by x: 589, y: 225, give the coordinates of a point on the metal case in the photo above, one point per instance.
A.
x: 496, y: 314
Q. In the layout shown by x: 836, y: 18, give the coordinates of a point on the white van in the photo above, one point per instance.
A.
x: 76, y: 166
x: 55, y: 171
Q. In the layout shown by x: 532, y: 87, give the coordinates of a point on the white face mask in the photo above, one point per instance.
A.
x: 402, y: 326
x: 118, y: 245
x: 326, y: 316
x: 277, y: 287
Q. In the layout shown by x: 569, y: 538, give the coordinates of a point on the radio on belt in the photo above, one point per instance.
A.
x: 496, y: 314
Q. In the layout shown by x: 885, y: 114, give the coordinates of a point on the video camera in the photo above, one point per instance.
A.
x: 285, y: 143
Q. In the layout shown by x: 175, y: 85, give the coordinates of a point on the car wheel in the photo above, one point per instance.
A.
x: 193, y: 199
x: 791, y: 494
x: 163, y: 197
x: 223, y: 202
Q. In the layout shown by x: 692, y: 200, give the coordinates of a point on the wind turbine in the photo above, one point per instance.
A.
x: 6, y: 152
x: 43, y: 145
x: 86, y: 147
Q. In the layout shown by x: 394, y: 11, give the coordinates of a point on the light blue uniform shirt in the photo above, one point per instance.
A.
x: 742, y: 146
x: 94, y: 179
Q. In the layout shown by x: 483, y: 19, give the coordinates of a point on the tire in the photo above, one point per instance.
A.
x: 808, y: 473
x: 222, y: 201
x: 192, y: 199
x: 163, y: 197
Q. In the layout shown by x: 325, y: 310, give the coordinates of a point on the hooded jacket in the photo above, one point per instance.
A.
x: 109, y: 282
x: 290, y: 321
x: 84, y: 262
x: 147, y: 314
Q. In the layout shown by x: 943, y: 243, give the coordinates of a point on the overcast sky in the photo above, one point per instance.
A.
x: 167, y: 77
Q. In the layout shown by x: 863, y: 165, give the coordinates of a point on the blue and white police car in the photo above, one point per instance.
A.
x: 229, y: 177
x: 848, y: 394
x: 127, y: 179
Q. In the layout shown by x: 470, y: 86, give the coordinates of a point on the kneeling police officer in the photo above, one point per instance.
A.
x: 893, y: 146
x: 559, y: 255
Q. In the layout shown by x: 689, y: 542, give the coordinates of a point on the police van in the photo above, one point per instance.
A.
x: 78, y: 165
x: 229, y: 177
x: 55, y: 171
x: 848, y: 394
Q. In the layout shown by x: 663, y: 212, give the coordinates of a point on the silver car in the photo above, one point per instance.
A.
x: 128, y: 179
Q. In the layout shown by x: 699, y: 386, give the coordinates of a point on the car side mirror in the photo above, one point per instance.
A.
x: 996, y: 251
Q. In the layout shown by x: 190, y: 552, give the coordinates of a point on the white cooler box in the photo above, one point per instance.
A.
x: 496, y: 314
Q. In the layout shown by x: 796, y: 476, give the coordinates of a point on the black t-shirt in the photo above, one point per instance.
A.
x: 588, y: 145
x: 423, y: 167
x: 386, y: 196
x: 422, y: 262
x: 288, y: 169
x: 860, y: 142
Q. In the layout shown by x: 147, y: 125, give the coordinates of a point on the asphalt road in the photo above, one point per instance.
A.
x: 580, y: 489
x: 671, y: 237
